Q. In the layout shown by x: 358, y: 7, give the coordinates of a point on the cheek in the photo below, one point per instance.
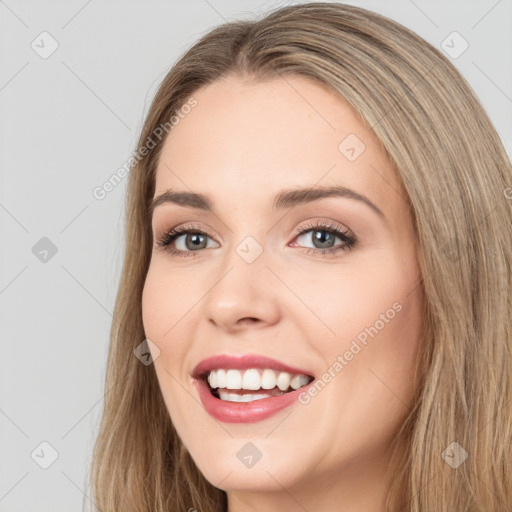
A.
x: 350, y: 299
x: 170, y: 306
x: 160, y: 310
x: 166, y: 299
x: 374, y: 314
x: 153, y: 305
x: 163, y: 310
x: 371, y: 358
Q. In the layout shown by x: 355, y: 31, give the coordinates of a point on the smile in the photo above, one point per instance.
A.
x: 247, y: 388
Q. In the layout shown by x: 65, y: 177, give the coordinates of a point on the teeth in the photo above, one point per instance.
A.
x: 212, y: 380
x: 298, y: 381
x: 221, y: 378
x: 254, y: 379
x: 268, y: 379
x: 251, y: 380
x: 250, y: 397
x: 233, y: 379
x: 283, y: 381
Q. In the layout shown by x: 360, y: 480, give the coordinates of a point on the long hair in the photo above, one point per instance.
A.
x: 456, y: 175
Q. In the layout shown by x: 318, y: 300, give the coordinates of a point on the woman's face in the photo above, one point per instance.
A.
x: 327, y: 286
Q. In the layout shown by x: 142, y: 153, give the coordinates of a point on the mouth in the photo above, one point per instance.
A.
x: 248, y: 388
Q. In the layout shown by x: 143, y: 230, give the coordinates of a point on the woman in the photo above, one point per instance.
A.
x: 314, y: 308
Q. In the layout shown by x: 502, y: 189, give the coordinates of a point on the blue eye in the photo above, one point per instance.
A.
x: 194, y: 240
x: 325, y: 235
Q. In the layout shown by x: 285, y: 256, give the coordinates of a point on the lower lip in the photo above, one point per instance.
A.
x: 245, y: 412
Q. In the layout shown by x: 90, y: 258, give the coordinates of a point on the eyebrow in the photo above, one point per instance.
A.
x: 284, y: 199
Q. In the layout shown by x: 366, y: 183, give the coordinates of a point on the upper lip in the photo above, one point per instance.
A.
x: 244, y: 362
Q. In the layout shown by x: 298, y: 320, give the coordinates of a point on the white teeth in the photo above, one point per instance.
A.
x: 251, y: 380
x: 283, y: 381
x: 298, y: 381
x: 233, y: 397
x: 212, y: 380
x: 254, y: 379
x: 268, y: 379
x: 221, y: 378
x: 233, y: 379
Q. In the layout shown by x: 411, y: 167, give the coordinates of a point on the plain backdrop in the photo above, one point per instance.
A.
x: 76, y: 79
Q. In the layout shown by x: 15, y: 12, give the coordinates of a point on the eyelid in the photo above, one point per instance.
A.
x: 187, y: 226
x: 321, y: 223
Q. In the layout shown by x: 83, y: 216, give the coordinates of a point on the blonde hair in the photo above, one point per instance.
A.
x: 454, y: 170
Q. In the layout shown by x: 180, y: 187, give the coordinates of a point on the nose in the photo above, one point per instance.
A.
x: 244, y: 295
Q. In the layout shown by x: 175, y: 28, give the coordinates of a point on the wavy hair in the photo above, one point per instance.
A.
x: 456, y: 174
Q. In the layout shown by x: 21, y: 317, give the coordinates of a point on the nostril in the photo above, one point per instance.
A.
x: 249, y: 319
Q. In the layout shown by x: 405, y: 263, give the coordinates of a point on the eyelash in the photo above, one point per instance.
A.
x: 169, y: 237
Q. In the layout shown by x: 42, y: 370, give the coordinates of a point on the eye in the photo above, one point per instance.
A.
x: 188, y: 240
x: 193, y: 240
x: 323, y: 237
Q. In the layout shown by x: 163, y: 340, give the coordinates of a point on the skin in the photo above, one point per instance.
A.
x: 241, y: 144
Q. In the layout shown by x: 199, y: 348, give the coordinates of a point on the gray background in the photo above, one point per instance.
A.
x: 69, y: 121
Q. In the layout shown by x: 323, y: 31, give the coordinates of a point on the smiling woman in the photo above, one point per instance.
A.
x: 318, y: 267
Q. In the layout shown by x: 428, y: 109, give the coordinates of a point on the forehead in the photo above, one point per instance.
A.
x: 255, y: 137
